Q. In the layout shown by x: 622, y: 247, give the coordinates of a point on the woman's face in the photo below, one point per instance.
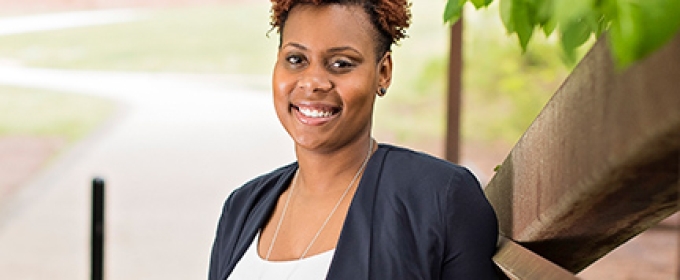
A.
x: 326, y: 77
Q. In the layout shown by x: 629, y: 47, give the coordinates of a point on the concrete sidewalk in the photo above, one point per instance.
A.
x: 181, y: 145
x: 53, y: 21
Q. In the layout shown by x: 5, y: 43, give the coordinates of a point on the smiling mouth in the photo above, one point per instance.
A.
x: 317, y: 112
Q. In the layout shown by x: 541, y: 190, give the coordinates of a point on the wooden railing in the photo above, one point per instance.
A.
x: 599, y: 165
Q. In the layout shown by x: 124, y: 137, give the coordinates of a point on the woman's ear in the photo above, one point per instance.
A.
x: 385, y: 71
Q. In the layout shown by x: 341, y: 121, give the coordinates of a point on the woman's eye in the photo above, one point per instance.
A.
x: 294, y: 59
x: 341, y: 64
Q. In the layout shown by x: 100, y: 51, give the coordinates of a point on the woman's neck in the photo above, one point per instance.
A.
x: 321, y: 173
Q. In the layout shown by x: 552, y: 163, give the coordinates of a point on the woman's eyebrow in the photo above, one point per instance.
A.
x: 342, y: 49
x: 331, y: 50
x: 295, y: 45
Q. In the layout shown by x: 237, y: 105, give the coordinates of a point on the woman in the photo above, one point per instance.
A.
x: 349, y: 208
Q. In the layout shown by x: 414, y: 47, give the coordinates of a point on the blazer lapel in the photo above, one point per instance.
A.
x: 263, y: 206
x: 352, y: 254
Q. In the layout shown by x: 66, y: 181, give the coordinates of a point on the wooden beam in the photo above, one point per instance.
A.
x: 599, y: 165
x: 519, y: 263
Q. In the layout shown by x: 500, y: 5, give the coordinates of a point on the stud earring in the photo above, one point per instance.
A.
x: 382, y: 91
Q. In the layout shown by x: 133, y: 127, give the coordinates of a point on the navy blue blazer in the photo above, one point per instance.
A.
x: 412, y: 217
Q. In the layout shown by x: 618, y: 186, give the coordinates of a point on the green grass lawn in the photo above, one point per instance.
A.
x: 201, y: 39
x: 503, y: 92
x: 221, y: 39
x: 40, y: 113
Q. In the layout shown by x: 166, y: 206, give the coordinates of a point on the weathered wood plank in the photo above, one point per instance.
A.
x: 518, y: 263
x: 599, y: 165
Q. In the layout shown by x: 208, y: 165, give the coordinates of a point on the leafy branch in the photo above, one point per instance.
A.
x: 636, y: 28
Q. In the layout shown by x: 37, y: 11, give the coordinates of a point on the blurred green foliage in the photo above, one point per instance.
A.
x: 512, y: 88
x: 636, y: 27
x: 205, y: 39
x: 41, y: 113
x: 503, y: 91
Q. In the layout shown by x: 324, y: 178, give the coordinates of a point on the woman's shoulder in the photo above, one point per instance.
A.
x: 411, y: 163
x: 262, y: 184
x: 405, y: 172
x: 424, y: 182
x: 271, y: 177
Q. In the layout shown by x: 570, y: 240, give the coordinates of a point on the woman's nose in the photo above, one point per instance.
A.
x: 315, y: 79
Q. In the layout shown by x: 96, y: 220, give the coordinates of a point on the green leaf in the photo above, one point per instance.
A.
x: 546, y: 16
x: 549, y: 27
x: 453, y: 10
x: 602, y: 26
x: 518, y: 17
x: 523, y: 23
x: 481, y: 3
x: 544, y: 11
x: 567, y: 11
x: 506, y: 15
x: 608, y: 8
x: 636, y: 27
x: 625, y: 30
x: 658, y: 25
x: 594, y: 19
x: 641, y: 27
x: 573, y: 36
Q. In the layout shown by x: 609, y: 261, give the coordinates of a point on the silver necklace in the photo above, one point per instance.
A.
x: 285, y: 206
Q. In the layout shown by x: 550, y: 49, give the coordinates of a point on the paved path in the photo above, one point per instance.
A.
x: 181, y: 145
x: 44, y: 22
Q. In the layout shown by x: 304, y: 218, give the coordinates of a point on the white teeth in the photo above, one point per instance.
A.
x: 315, y: 113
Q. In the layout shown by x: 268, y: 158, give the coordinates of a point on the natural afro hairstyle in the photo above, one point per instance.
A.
x: 389, y: 17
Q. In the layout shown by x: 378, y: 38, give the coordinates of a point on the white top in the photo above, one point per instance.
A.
x: 253, y: 267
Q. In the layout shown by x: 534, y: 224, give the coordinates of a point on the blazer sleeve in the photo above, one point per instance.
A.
x: 218, y: 256
x: 472, y: 231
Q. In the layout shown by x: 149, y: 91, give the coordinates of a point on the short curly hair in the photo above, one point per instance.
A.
x: 390, y: 18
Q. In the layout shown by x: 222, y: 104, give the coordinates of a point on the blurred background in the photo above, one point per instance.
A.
x: 168, y: 101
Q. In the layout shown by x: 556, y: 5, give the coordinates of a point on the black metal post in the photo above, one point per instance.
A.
x: 97, y: 229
